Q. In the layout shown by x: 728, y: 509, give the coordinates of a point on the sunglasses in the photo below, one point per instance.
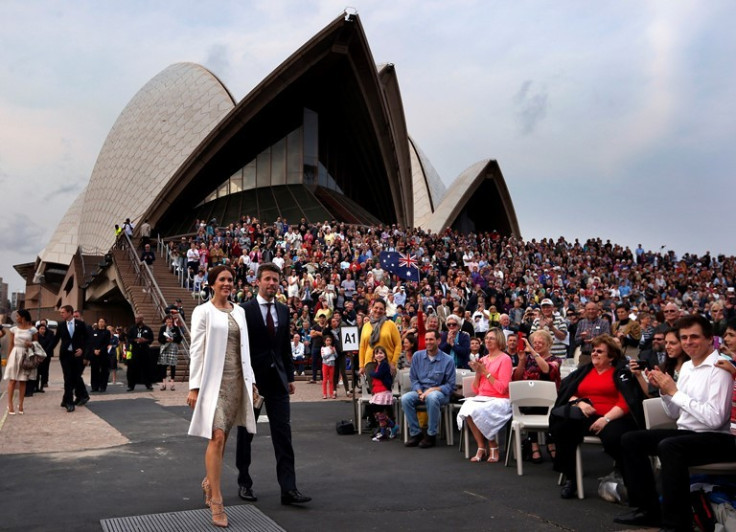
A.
x: 599, y: 351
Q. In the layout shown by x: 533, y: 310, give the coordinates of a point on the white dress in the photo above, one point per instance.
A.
x: 14, y: 370
x: 490, y: 414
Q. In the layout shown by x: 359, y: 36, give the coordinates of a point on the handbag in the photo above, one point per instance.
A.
x: 570, y: 410
x: 32, y: 357
x: 345, y: 427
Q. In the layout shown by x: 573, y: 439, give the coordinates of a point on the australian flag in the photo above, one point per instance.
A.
x: 405, y: 266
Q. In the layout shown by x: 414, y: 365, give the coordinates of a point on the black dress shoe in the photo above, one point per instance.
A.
x: 639, y: 517
x: 149, y: 388
x: 70, y: 408
x: 130, y: 389
x: 569, y: 489
x: 247, y: 494
x: 40, y: 390
x: 81, y: 402
x: 428, y: 441
x: 294, y: 497
x: 414, y: 440
x: 63, y: 404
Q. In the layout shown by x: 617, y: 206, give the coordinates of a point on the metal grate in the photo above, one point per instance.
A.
x: 244, y: 517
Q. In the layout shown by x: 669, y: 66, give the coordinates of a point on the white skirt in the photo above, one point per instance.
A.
x: 490, y: 414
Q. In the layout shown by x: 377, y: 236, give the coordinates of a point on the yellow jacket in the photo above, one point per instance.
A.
x: 389, y: 338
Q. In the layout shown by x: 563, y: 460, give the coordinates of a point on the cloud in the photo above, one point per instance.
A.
x: 217, y: 60
x: 22, y: 234
x: 71, y: 188
x: 531, y: 107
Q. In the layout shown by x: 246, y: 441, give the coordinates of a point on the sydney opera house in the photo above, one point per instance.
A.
x: 323, y: 137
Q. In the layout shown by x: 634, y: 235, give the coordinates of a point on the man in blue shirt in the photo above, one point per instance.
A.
x: 432, y: 377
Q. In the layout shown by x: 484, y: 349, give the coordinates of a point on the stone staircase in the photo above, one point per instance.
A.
x: 143, y: 301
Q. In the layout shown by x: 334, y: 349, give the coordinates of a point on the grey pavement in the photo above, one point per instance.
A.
x: 127, y: 454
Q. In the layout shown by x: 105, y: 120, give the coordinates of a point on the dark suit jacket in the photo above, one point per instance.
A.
x: 651, y: 357
x: 461, y: 347
x: 268, y: 353
x: 79, y: 341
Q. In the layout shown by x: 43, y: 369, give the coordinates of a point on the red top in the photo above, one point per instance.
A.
x: 378, y: 386
x: 602, y: 392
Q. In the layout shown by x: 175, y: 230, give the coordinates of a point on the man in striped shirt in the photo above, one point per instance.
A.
x: 553, y: 323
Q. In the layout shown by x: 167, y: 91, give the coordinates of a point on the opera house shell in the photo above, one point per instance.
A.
x: 323, y: 137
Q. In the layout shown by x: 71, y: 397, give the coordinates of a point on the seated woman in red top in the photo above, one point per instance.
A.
x: 488, y: 412
x: 611, y: 403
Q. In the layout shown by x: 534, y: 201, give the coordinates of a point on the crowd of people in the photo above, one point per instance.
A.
x: 99, y: 346
x: 574, y: 290
x: 636, y: 323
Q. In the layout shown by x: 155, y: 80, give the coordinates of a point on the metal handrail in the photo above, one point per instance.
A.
x: 180, y: 272
x: 150, y: 286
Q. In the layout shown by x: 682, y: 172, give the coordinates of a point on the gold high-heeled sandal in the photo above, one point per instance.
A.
x: 207, y: 492
x: 219, y: 517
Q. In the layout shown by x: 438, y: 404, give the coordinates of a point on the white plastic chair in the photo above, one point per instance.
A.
x: 655, y: 417
x: 362, y: 400
x: 465, y: 433
x: 460, y: 376
x: 528, y: 394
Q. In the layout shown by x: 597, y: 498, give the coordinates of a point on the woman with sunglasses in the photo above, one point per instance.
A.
x: 455, y: 342
x: 605, y: 400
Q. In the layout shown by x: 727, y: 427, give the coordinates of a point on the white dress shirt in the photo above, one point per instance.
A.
x: 702, y: 402
x: 263, y: 304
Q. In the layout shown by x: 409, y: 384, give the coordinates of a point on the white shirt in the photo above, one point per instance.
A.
x: 297, y: 350
x: 702, y: 402
x: 263, y: 304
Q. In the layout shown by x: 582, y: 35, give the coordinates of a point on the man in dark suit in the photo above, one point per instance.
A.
x: 140, y: 337
x: 72, y: 334
x: 270, y: 355
x: 656, y: 356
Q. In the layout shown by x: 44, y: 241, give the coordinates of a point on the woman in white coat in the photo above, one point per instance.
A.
x: 221, y: 381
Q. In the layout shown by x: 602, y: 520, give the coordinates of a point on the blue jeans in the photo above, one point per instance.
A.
x: 433, y: 403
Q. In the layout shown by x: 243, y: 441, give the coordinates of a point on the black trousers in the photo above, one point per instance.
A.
x: 43, y: 373
x: 316, y: 364
x: 100, y: 372
x: 340, y: 370
x: 677, y: 450
x: 279, y: 420
x: 569, y: 433
x: 72, y: 368
x: 139, y: 369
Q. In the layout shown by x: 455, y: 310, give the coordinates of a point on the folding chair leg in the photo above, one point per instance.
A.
x: 360, y: 418
x: 579, y: 472
x: 449, y: 429
x: 517, y: 452
x: 466, y: 439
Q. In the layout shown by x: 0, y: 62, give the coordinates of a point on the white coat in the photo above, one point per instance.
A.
x: 207, y: 360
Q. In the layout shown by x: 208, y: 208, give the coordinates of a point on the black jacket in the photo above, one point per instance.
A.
x: 625, y: 382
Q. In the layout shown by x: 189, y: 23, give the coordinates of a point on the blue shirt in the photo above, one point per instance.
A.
x: 426, y: 373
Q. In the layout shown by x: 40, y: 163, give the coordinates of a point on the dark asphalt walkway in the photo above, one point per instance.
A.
x: 356, y: 484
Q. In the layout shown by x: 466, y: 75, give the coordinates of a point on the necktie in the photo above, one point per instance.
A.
x: 70, y: 326
x: 269, y: 321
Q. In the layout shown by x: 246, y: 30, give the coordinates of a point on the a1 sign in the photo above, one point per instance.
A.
x: 349, y: 337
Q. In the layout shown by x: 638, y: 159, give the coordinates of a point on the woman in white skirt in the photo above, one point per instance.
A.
x: 21, y: 337
x: 488, y: 411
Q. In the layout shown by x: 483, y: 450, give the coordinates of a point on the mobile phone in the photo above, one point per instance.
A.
x: 521, y: 338
x: 645, y: 364
x: 258, y: 403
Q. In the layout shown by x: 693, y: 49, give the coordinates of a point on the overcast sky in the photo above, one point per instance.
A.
x: 608, y: 118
